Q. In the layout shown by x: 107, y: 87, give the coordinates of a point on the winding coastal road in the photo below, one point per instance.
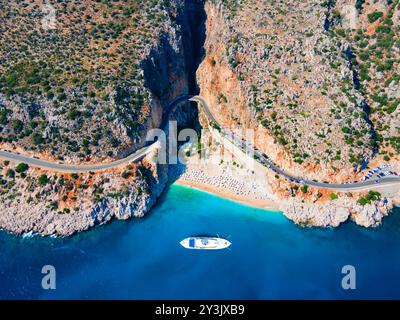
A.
x: 232, y: 137
x: 265, y: 161
x: 48, y: 165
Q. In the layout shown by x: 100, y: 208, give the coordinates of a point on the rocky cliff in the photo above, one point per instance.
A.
x: 88, y: 89
x: 279, y: 69
x: 63, y: 204
x: 298, y: 73
x: 332, y: 214
x: 126, y: 62
x: 283, y: 70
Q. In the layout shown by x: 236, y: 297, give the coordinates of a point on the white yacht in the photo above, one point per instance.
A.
x: 205, y: 243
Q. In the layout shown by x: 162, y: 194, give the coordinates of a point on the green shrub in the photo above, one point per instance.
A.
x: 37, y: 139
x: 372, y: 17
x: 74, y: 176
x: 10, y: 173
x: 304, y: 188
x: 22, y: 167
x: 371, y: 196
x: 125, y: 174
x: 18, y: 126
x: 43, y: 180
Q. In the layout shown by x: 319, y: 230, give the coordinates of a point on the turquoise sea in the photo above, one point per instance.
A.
x: 271, y: 258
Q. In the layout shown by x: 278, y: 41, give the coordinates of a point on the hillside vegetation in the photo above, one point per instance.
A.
x: 77, y: 91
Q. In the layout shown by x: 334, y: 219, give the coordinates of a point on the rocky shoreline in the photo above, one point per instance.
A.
x: 236, y: 181
x: 23, y: 218
x: 52, y: 203
x: 335, y: 213
x: 225, y: 180
x: 308, y: 214
x: 280, y: 108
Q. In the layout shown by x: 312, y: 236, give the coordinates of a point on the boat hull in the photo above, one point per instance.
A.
x: 205, y: 243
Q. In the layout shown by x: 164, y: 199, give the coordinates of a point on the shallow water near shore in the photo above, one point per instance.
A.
x: 271, y: 258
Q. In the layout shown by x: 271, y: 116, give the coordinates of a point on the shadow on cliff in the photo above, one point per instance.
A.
x: 170, y: 68
x: 193, y: 19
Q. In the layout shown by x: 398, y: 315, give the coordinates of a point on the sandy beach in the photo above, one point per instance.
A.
x: 228, y: 194
x: 229, y: 177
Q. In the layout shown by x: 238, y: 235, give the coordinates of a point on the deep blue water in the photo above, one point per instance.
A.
x: 271, y: 258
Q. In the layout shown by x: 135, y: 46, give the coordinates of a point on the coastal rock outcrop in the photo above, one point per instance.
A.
x: 332, y: 214
x: 28, y: 216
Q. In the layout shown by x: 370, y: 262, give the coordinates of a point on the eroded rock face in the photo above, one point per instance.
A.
x: 285, y: 70
x: 22, y: 216
x: 149, y: 62
x: 375, y: 42
x: 371, y: 215
x: 336, y: 212
x: 273, y: 67
x: 89, y: 89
